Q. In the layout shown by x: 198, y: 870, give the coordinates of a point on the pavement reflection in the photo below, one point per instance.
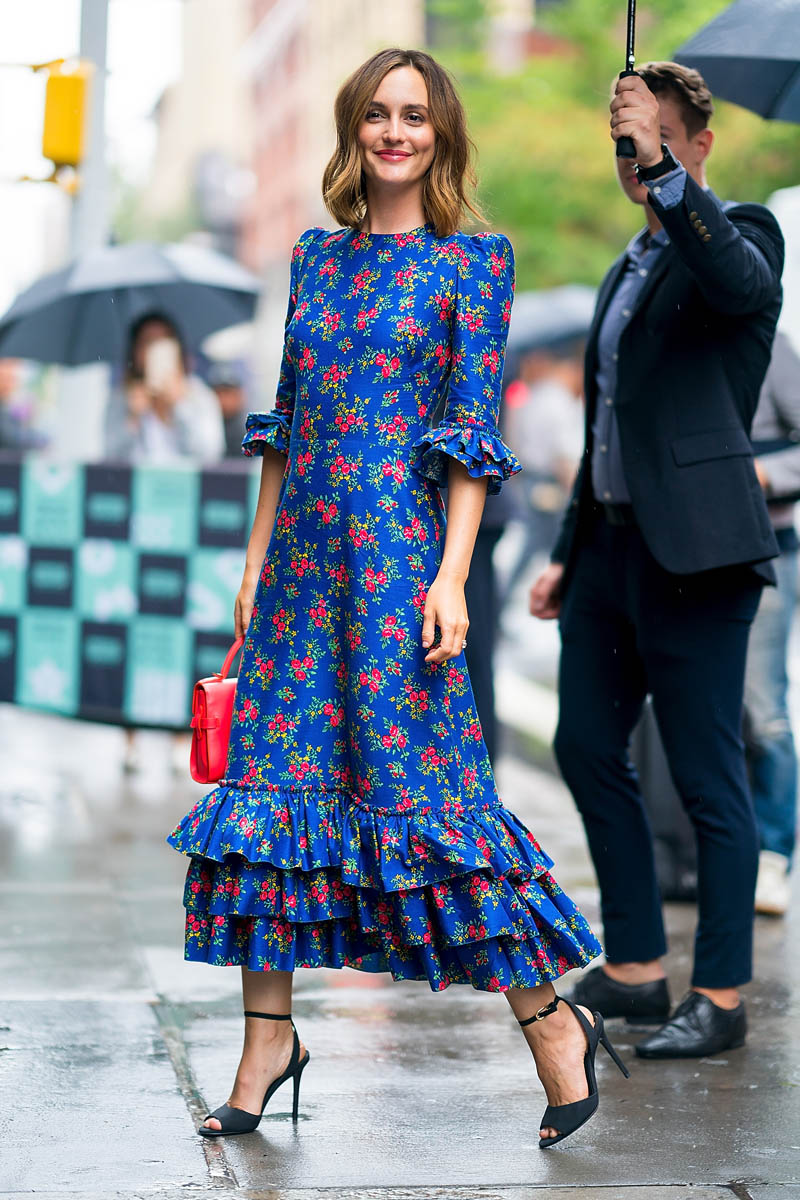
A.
x: 112, y: 1048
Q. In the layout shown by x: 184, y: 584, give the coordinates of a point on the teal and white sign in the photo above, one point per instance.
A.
x: 117, y: 585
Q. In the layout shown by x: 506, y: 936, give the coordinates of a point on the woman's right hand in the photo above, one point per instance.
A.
x: 138, y: 399
x: 243, y: 609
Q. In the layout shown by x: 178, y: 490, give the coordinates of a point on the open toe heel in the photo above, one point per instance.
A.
x: 238, y: 1120
x: 567, y: 1118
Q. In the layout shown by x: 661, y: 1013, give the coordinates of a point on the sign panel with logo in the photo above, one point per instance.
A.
x: 117, y: 584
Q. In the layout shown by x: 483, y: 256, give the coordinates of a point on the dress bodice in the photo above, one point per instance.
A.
x: 387, y: 334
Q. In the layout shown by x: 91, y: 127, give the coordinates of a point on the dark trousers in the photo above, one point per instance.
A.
x: 629, y: 627
x: 482, y: 606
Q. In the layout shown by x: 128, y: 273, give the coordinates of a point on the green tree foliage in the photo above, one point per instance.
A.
x: 544, y: 153
x: 132, y: 224
x: 457, y: 25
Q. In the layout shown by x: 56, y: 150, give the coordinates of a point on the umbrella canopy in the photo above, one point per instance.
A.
x: 540, y: 319
x: 236, y: 342
x: 84, y: 312
x: 750, y: 54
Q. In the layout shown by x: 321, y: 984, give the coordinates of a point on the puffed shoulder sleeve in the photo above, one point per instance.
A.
x: 468, y: 431
x: 274, y: 428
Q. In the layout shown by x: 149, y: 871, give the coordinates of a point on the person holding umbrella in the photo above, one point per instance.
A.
x: 657, y: 573
x: 161, y: 411
x: 145, y: 308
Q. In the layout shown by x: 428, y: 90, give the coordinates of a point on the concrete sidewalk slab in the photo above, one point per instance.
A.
x: 402, y: 1193
x: 90, y: 1103
x: 439, y: 1090
x: 113, y: 1047
x: 527, y: 1193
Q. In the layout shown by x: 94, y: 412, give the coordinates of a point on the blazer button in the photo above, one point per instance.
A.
x: 706, y: 237
x: 702, y: 229
x: 692, y: 216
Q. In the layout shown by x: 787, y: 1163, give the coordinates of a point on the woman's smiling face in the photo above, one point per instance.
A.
x: 396, y: 138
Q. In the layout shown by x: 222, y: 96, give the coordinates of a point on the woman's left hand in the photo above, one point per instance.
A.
x: 446, y: 607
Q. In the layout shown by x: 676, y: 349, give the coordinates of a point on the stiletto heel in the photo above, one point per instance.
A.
x: 297, y: 1078
x: 238, y: 1120
x: 606, y: 1044
x: 567, y: 1118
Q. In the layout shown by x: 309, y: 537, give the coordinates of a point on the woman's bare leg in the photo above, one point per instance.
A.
x: 557, y: 1043
x: 267, y: 1044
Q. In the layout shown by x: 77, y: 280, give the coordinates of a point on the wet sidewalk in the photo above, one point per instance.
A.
x: 112, y: 1048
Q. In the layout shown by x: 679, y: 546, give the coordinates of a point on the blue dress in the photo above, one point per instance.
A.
x: 358, y: 823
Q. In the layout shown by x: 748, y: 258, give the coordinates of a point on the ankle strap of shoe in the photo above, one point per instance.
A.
x: 269, y: 1016
x: 546, y: 1011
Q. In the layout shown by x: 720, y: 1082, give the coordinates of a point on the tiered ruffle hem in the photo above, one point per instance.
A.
x: 287, y: 877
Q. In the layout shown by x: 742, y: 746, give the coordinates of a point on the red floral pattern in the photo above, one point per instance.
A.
x: 359, y: 823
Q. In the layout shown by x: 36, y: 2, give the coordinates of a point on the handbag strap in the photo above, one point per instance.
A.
x: 230, y: 656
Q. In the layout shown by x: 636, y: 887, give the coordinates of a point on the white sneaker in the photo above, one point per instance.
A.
x: 131, y: 757
x: 773, y: 890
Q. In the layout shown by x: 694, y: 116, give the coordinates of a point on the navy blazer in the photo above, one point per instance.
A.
x: 691, y: 363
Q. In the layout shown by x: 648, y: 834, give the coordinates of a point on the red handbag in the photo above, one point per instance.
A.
x: 212, y: 712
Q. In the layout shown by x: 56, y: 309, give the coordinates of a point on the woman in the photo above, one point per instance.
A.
x: 161, y: 412
x: 359, y: 824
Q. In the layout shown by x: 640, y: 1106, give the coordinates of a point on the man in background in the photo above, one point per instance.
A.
x: 227, y: 381
x: 770, y: 744
x: 544, y: 424
x: 17, y: 410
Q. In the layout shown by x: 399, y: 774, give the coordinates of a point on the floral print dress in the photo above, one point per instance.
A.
x: 358, y: 824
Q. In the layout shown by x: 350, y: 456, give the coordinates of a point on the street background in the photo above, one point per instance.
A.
x: 217, y: 127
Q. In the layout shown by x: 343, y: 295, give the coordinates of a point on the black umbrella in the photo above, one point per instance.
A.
x: 84, y: 312
x: 750, y: 54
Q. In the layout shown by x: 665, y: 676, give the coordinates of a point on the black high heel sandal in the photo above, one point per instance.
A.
x: 567, y: 1118
x: 238, y: 1120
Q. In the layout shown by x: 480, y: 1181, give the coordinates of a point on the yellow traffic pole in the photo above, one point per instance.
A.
x: 66, y: 108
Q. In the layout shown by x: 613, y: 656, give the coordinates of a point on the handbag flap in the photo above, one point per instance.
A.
x: 212, y: 713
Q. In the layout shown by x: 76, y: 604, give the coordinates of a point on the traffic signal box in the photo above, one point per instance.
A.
x: 65, y: 110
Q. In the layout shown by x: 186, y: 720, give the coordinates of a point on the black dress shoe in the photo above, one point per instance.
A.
x: 638, y: 1003
x: 697, y: 1028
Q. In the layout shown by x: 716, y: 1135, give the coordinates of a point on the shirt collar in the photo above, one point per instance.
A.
x: 643, y: 241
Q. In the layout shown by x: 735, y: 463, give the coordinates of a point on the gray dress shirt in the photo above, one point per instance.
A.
x: 608, y: 476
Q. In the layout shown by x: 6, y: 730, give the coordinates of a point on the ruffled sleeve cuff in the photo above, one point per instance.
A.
x: 266, y: 429
x: 478, y: 447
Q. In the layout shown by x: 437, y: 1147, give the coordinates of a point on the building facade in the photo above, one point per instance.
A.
x: 297, y: 56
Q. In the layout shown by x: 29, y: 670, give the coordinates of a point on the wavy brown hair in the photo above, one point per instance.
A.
x: 449, y: 185
x: 686, y: 87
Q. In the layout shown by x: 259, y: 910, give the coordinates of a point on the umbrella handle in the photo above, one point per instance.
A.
x: 625, y: 146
